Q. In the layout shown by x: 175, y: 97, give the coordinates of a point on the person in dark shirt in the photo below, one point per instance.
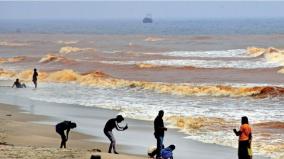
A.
x: 18, y: 84
x: 109, y: 126
x: 35, y: 77
x: 61, y: 127
x: 159, y: 133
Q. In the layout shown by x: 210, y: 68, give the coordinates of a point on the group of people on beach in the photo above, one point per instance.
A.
x: 18, y: 84
x: 160, y: 151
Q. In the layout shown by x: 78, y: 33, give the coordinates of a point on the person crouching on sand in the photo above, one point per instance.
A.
x: 109, y: 126
x: 166, y: 153
x: 61, y: 127
x: 18, y: 84
x: 245, y: 137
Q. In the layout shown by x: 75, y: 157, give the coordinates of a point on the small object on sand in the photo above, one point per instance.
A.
x: 95, y: 150
x: 95, y: 157
x: 8, y: 114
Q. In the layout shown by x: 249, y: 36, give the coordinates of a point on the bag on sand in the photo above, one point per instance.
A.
x: 250, y: 151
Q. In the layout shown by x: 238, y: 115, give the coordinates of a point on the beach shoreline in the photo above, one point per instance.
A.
x: 21, y: 137
x: 127, y: 144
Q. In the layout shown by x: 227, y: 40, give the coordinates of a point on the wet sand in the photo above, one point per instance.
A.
x: 91, y: 121
x: 21, y: 138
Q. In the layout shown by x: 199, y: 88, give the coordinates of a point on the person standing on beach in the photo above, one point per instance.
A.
x: 61, y: 127
x: 35, y: 77
x: 109, y: 126
x: 159, y: 132
x: 245, y: 137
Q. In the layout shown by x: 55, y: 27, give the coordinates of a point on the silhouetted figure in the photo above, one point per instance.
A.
x: 159, y: 133
x: 35, y: 77
x: 109, y: 126
x: 18, y: 84
x: 61, y: 127
x: 166, y: 153
x: 245, y: 137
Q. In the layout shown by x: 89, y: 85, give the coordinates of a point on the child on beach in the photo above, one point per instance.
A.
x: 245, y: 137
x: 18, y: 84
x: 61, y: 127
x: 109, y: 126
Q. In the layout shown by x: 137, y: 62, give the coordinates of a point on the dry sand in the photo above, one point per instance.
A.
x: 21, y: 138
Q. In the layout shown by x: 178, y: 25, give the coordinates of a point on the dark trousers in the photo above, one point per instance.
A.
x: 160, y: 144
x: 63, y: 138
x: 243, y: 150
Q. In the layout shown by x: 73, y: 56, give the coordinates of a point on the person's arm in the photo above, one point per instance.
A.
x: 163, y: 127
x: 13, y: 85
x: 238, y: 133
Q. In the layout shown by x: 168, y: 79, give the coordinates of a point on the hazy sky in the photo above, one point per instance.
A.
x: 137, y: 9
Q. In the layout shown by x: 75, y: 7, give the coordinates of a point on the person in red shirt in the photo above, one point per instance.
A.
x: 245, y: 137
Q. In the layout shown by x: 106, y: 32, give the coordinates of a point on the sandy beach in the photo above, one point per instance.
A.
x: 205, y: 74
x: 34, y: 120
x: 21, y: 138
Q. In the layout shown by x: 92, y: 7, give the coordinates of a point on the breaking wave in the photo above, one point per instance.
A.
x: 271, y: 55
x: 53, y: 58
x: 13, y: 44
x: 242, y: 64
x: 12, y: 59
x: 100, y: 79
x: 69, y: 49
x: 67, y: 42
x: 153, y: 39
x: 219, y: 131
x: 213, y: 54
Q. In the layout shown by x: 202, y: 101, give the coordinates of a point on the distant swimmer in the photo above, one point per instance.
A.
x: 35, y: 77
x: 109, y: 126
x: 18, y: 84
x: 245, y: 137
x: 61, y: 127
x: 159, y: 133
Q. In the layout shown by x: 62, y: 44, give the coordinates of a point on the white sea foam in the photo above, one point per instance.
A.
x: 245, y: 64
x: 142, y: 104
x: 214, y: 54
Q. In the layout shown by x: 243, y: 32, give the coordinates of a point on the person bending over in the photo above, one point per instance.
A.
x: 166, y: 153
x: 109, y: 126
x: 61, y: 127
x: 18, y: 84
x: 245, y: 137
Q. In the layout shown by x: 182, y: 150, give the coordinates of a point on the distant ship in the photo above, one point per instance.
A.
x: 148, y: 19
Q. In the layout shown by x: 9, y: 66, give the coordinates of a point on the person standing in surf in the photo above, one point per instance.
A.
x: 245, y: 137
x: 159, y: 132
x: 109, y: 126
x: 35, y: 77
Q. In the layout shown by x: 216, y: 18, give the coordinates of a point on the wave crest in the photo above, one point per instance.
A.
x: 70, y: 49
x: 100, y: 79
x: 12, y: 59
